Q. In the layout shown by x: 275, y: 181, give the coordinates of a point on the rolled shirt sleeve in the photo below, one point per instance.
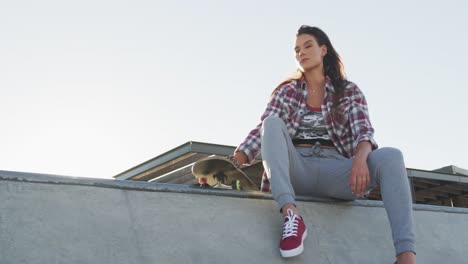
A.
x: 275, y: 107
x: 359, y: 120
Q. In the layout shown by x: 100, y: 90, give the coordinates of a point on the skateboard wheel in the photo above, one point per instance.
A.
x: 236, y: 185
x: 202, y: 181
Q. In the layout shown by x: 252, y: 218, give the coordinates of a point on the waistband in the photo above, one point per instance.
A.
x: 313, y: 142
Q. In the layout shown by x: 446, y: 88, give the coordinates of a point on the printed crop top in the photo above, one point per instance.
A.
x: 312, y: 125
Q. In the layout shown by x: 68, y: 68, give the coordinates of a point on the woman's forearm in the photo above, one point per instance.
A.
x: 364, y: 148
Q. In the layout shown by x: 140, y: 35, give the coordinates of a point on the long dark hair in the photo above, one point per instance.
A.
x: 332, y: 65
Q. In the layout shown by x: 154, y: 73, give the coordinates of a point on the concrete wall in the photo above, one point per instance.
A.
x: 54, y: 219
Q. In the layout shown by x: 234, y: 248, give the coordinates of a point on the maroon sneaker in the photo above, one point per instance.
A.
x: 294, y: 233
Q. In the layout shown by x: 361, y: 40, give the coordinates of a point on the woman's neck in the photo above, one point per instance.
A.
x: 315, y: 79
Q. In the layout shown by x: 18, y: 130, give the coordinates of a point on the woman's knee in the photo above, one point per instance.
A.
x: 272, y: 122
x: 386, y: 156
x: 386, y: 162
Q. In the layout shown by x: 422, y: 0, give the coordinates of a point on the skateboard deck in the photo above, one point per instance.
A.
x: 219, y: 172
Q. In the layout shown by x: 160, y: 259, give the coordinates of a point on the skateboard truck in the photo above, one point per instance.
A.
x: 221, y: 177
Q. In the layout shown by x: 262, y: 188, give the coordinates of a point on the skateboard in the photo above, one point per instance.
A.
x: 219, y: 172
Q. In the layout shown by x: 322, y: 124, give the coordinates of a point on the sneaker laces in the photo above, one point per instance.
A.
x: 291, y: 224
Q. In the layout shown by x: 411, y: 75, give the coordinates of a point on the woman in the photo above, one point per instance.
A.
x: 316, y: 139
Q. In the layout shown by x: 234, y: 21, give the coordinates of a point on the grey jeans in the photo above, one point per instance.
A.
x: 316, y: 171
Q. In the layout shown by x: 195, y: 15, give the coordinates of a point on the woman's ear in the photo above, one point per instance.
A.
x: 323, y: 48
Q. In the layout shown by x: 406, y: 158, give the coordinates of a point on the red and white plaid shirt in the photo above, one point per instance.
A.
x: 346, y: 129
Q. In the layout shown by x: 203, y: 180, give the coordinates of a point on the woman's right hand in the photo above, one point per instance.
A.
x: 239, y: 158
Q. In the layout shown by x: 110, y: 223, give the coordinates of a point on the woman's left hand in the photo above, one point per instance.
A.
x: 359, y: 178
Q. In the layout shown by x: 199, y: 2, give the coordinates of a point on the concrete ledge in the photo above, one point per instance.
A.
x: 57, y: 219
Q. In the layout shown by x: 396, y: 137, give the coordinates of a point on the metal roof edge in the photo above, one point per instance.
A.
x: 435, y: 175
x: 460, y: 170
x: 452, y: 169
x: 158, y: 160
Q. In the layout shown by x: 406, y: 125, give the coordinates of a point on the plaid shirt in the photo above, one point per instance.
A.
x: 346, y: 129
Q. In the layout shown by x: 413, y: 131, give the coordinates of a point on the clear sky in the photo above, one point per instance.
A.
x: 91, y: 88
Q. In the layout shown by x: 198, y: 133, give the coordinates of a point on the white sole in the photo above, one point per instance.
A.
x: 297, y: 251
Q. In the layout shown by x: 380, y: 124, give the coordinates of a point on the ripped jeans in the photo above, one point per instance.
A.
x: 319, y: 172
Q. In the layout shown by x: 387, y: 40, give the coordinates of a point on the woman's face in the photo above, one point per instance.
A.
x: 309, y: 54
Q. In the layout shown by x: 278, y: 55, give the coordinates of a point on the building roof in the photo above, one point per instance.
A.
x: 445, y: 186
x: 453, y: 170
